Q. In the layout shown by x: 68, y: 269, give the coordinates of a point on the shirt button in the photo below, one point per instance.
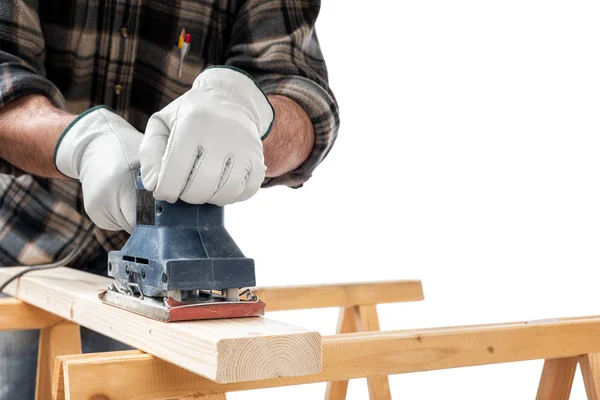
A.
x: 124, y: 32
x: 118, y: 89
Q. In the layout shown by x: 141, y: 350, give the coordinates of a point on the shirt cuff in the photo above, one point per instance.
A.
x: 320, y: 105
x: 18, y: 81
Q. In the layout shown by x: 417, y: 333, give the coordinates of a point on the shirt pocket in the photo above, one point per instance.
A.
x: 207, y: 24
x: 185, y: 65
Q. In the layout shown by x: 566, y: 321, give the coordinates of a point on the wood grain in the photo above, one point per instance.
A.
x: 346, y: 324
x: 367, y: 320
x: 54, y: 341
x: 590, y: 369
x: 339, y: 295
x: 360, y: 319
x: 232, y: 350
x: 355, y: 355
x: 60, y: 365
x: 17, y: 315
x: 557, y: 379
x: 58, y: 380
x: 212, y: 396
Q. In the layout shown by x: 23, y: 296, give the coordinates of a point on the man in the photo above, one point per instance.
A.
x: 209, y: 99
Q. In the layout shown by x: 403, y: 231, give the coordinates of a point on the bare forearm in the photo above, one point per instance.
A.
x: 29, y: 129
x: 291, y: 140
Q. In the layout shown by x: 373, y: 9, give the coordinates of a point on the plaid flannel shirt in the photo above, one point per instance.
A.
x: 124, y: 54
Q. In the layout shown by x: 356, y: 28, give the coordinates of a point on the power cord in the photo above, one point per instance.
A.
x: 69, y: 258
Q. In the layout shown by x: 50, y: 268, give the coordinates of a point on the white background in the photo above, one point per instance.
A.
x: 468, y: 157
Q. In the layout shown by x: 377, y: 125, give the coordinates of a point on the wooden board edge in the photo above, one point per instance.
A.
x: 287, y: 298
x: 272, y: 357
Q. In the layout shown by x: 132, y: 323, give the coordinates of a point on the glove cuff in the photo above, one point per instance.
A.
x: 238, y: 84
x: 72, y: 143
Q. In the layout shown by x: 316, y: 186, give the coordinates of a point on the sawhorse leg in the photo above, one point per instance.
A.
x: 557, y: 377
x: 359, y: 319
x: 590, y: 369
x: 54, y: 341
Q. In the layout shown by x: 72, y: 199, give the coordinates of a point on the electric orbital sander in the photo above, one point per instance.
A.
x: 181, y: 264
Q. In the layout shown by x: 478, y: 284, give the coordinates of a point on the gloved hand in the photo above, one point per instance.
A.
x: 206, y: 146
x: 101, y: 150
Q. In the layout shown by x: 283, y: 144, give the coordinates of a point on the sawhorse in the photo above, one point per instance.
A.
x: 358, y: 313
x: 563, y: 343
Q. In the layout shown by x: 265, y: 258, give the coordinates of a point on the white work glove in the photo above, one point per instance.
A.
x: 206, y: 146
x: 101, y: 150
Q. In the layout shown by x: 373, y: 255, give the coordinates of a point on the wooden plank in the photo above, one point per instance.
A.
x: 356, y: 355
x: 17, y: 315
x: 590, y: 369
x: 232, y: 350
x: 557, y: 379
x: 54, y: 341
x: 367, y: 320
x: 58, y: 380
x: 211, y: 396
x: 339, y: 295
x: 346, y: 324
x: 59, y: 377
